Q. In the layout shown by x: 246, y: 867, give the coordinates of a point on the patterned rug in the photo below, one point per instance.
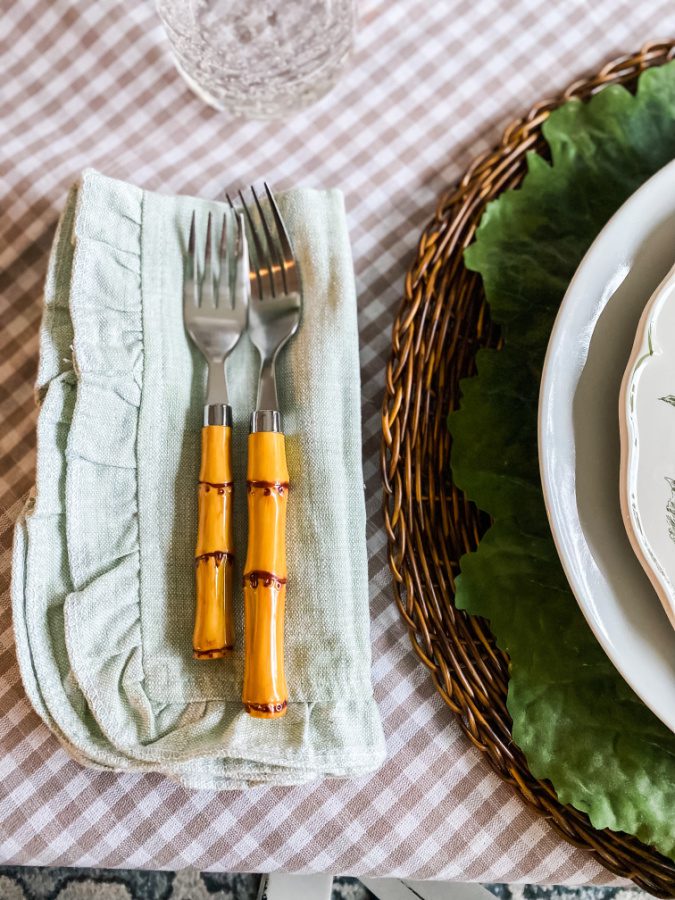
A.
x: 26, y: 883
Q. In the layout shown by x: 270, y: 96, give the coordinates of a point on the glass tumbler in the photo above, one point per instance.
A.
x: 260, y: 58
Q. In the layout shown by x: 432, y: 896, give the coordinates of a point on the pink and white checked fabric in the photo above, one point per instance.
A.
x: 432, y: 84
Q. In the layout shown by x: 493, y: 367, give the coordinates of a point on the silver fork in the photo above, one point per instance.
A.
x: 215, y: 302
x: 274, y: 317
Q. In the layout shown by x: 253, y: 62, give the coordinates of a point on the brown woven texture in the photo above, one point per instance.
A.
x: 442, y: 322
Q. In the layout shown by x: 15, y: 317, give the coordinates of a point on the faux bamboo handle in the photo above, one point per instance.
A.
x: 265, y: 695
x: 214, y: 616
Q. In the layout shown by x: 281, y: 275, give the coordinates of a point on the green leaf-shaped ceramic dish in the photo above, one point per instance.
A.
x: 574, y: 716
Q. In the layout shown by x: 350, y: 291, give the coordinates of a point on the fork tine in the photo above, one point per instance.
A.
x: 207, y: 292
x: 259, y: 256
x: 224, y: 267
x: 253, y: 260
x: 289, y: 263
x: 275, y: 262
x: 191, y: 239
x: 236, y: 245
x: 189, y: 281
x: 241, y: 274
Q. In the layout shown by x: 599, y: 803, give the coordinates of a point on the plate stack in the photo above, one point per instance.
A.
x: 607, y: 440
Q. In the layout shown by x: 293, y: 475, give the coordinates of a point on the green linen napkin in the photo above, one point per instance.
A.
x: 103, y: 580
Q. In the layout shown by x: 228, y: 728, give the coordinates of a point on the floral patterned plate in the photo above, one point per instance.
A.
x: 647, y: 424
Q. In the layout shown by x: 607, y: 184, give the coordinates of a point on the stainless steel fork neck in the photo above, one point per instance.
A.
x: 267, y: 384
x: 216, y: 383
x: 266, y: 416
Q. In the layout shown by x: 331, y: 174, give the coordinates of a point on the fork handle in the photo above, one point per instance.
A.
x: 213, y: 635
x: 265, y: 695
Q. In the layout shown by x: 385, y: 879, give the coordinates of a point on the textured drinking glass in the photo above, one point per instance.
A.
x: 260, y: 58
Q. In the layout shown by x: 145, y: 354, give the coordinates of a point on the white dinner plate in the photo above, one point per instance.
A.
x: 579, y: 446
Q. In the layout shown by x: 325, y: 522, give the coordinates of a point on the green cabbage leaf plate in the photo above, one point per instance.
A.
x: 577, y: 721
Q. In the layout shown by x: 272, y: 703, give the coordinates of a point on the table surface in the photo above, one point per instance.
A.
x: 431, y: 85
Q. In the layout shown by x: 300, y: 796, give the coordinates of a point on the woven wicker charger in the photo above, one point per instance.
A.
x: 442, y: 322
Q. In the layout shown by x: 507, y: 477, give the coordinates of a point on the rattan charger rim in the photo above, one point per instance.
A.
x: 440, y: 324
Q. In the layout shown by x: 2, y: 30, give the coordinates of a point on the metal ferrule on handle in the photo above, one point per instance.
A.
x: 218, y: 414
x: 213, y: 635
x: 265, y: 420
x: 265, y: 694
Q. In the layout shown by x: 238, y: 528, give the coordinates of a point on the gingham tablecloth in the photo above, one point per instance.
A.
x: 432, y: 84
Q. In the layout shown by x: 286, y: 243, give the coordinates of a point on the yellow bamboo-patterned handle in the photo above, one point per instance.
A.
x: 214, y: 617
x: 265, y: 695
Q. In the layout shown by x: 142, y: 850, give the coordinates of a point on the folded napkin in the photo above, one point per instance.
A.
x: 103, y: 579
